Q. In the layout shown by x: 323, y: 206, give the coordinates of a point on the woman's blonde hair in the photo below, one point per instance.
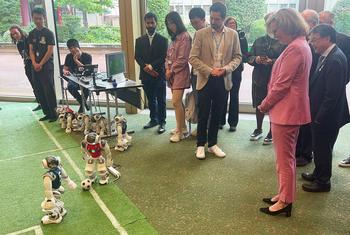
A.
x: 289, y: 21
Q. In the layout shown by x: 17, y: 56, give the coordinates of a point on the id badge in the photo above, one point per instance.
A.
x: 37, y: 54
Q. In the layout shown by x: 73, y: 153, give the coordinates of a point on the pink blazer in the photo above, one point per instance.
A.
x: 177, y: 61
x: 287, y: 100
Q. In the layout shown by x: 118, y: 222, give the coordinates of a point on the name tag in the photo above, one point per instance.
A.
x: 42, y: 40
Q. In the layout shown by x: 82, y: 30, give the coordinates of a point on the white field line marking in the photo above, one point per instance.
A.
x: 30, y: 155
x: 37, y: 230
x: 94, y: 194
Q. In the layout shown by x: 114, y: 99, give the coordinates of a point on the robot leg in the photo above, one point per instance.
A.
x: 52, y: 212
x: 89, y: 170
x: 102, y: 171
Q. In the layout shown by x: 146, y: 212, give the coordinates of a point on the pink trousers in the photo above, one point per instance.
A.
x: 284, y: 141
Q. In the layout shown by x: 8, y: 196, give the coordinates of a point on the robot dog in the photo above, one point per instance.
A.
x: 97, y: 155
x: 52, y: 206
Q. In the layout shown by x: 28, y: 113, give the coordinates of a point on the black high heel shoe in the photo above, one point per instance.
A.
x: 287, y: 210
x: 268, y: 200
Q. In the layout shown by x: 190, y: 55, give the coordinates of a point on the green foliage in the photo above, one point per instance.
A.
x: 246, y: 12
x: 9, y: 14
x: 342, y: 11
x: 88, y: 6
x: 161, y: 9
x: 257, y: 29
x: 102, y: 34
x: 72, y: 28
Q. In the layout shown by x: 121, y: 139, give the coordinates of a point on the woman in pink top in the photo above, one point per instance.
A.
x: 177, y: 69
x: 287, y: 103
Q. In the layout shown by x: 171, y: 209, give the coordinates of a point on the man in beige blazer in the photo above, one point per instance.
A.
x: 215, y: 54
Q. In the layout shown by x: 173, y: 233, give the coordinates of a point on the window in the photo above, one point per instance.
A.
x: 13, y: 81
x: 98, y: 32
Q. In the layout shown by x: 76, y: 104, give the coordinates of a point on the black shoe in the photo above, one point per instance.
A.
x: 37, y: 108
x: 150, y: 125
x: 345, y: 162
x: 80, y: 110
x: 268, y: 200
x: 301, y: 161
x: 257, y: 134
x: 308, y: 177
x: 221, y: 127
x: 53, y: 119
x: 316, y: 187
x: 44, y: 118
x: 232, y: 129
x: 161, y: 128
x: 287, y: 210
x: 87, y: 107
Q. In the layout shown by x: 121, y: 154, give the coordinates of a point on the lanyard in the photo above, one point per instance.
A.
x: 217, y: 44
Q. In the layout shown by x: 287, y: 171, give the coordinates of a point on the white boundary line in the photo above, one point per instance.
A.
x: 94, y: 194
x: 30, y: 155
x: 37, y: 230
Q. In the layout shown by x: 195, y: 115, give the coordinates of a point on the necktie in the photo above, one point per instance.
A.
x: 320, y: 60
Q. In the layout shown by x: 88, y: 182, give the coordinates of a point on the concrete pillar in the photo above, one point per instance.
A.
x: 51, y: 25
x: 25, y: 12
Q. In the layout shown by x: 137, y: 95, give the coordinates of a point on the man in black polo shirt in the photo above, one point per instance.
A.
x: 76, y: 58
x: 41, y: 42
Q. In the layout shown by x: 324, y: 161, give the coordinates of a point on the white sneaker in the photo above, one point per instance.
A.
x: 200, y: 153
x: 176, y: 138
x: 184, y: 131
x: 217, y: 151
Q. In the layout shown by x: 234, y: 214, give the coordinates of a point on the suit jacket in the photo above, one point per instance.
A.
x: 287, y: 100
x: 343, y: 42
x: 151, y: 54
x: 202, y: 55
x: 329, y: 106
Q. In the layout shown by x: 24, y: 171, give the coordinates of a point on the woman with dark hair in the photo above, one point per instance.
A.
x: 236, y: 78
x: 19, y: 38
x: 177, y: 69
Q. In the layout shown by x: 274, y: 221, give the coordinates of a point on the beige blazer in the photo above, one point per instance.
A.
x: 202, y: 55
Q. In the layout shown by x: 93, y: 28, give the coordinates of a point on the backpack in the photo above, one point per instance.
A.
x: 191, y: 113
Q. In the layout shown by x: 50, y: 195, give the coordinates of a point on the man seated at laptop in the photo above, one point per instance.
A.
x: 75, y: 59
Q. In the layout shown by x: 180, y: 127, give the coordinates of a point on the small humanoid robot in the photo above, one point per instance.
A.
x: 123, y: 140
x: 97, y: 154
x: 101, y: 124
x: 52, y: 206
x: 70, y: 115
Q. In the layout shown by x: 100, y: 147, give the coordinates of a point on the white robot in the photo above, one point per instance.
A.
x: 123, y: 140
x: 97, y: 155
x: 101, y: 124
x: 52, y: 206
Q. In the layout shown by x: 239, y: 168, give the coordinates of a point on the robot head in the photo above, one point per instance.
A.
x: 97, y: 116
x: 119, y: 119
x: 92, y: 138
x: 51, y: 162
x: 80, y: 117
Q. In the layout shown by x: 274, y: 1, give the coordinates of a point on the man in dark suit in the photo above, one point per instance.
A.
x: 328, y: 103
x: 343, y: 40
x: 150, y: 53
x: 303, y: 151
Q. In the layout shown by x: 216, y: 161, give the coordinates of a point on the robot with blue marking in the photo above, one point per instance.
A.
x: 52, y: 206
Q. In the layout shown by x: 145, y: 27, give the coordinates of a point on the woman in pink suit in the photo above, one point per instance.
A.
x: 287, y: 103
x: 178, y: 69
